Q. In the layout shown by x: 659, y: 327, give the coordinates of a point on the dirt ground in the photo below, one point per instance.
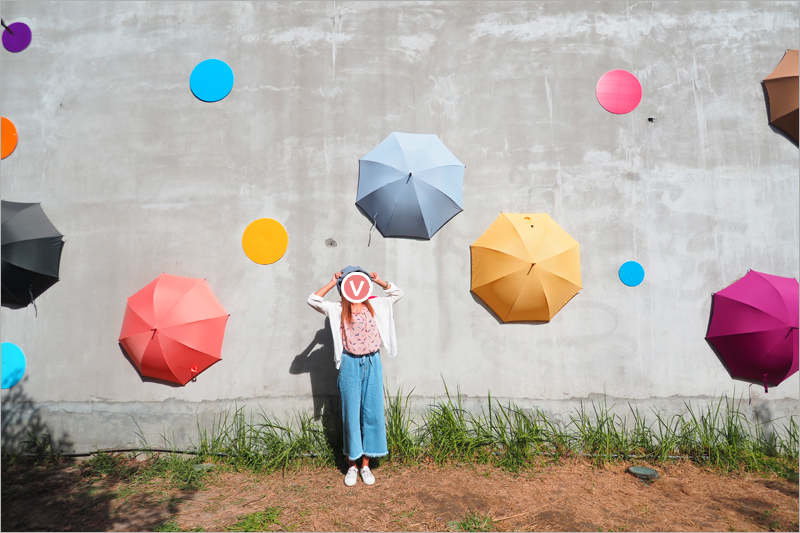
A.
x: 570, y: 496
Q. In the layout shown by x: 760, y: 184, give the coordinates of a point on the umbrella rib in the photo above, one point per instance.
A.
x: 500, y: 252
x: 521, y: 238
x: 166, y: 362
x: 360, y: 197
x: 521, y: 290
x: 423, y: 180
x: 431, y: 139
x: 42, y: 235
x: 780, y: 297
x: 31, y: 271
x: 422, y: 211
x: 140, y: 317
x: 165, y: 331
x: 178, y: 298
x: 170, y: 337
x: 751, y: 306
x: 544, y: 267
x: 387, y: 166
x: 396, y: 202
x: 399, y: 148
x: 780, y: 330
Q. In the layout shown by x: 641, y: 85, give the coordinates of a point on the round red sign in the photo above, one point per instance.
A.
x: 356, y: 287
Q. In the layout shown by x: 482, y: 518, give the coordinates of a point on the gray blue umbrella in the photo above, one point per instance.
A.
x: 410, y: 185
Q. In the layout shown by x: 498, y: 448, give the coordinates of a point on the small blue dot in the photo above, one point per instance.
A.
x: 12, y: 364
x: 631, y: 273
x: 211, y: 80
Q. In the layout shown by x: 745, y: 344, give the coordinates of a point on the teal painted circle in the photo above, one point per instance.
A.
x: 211, y: 80
x: 12, y: 364
x: 631, y: 273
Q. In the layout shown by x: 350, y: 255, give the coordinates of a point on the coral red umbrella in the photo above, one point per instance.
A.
x: 173, y: 328
x: 753, y: 328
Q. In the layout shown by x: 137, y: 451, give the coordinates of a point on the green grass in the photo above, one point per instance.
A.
x: 169, y: 525
x: 263, y: 444
x: 717, y: 435
x: 401, y: 441
x: 259, y: 521
x: 475, y: 522
x: 178, y: 470
x: 172, y: 525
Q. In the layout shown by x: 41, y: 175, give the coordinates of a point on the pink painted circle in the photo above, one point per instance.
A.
x: 618, y: 91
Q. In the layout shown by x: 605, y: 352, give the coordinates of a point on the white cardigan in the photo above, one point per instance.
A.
x: 384, y: 318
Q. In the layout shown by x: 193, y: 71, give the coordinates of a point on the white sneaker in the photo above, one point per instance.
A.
x: 351, y: 476
x: 367, y: 477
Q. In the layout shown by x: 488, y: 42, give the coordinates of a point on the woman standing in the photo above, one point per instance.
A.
x: 359, y: 330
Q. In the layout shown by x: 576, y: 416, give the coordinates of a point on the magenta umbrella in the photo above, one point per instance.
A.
x: 753, y: 328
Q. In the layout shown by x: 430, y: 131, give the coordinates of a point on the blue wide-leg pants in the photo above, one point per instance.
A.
x: 361, y: 389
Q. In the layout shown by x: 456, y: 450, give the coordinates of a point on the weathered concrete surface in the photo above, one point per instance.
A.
x: 143, y: 178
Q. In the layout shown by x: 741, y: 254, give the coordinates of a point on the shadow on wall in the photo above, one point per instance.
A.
x: 316, y: 360
x: 22, y: 427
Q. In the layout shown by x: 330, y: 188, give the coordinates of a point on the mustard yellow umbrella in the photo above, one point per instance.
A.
x: 525, y: 267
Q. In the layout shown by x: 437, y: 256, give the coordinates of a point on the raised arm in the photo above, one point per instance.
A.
x: 331, y: 284
x: 391, y: 289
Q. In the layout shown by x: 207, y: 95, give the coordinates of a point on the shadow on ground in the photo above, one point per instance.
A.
x: 59, y: 494
x: 316, y: 360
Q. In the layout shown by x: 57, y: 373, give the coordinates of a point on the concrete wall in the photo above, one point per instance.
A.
x: 143, y: 178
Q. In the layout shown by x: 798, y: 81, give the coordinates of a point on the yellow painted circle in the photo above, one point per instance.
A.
x: 265, y: 241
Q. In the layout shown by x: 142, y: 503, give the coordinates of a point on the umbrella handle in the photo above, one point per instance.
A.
x: 374, y: 222
x: 30, y: 291
x: 193, y: 370
x: 6, y: 27
x: 765, y: 384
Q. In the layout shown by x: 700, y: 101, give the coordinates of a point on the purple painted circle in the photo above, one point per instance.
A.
x: 18, y: 38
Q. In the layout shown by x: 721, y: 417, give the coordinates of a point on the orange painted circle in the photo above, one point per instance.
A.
x: 265, y: 241
x: 8, y: 137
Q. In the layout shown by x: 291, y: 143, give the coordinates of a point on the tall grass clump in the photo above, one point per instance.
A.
x: 402, y: 441
x: 265, y: 444
x: 718, y: 435
x: 449, y: 432
x: 518, y: 437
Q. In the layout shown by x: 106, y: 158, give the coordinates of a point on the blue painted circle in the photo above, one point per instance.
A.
x: 12, y: 364
x: 211, y: 80
x: 631, y: 273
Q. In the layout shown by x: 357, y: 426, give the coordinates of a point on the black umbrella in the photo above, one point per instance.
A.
x: 31, y: 253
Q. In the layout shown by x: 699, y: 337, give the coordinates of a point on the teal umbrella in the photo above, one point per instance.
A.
x: 410, y: 185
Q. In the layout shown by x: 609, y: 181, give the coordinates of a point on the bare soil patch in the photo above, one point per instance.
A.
x: 572, y: 495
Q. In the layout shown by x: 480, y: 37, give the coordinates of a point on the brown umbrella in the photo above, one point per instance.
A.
x: 782, y: 94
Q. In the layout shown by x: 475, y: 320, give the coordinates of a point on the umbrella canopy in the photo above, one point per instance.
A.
x: 525, y: 267
x: 782, y: 94
x: 753, y: 328
x: 31, y: 253
x: 173, y: 328
x: 410, y: 185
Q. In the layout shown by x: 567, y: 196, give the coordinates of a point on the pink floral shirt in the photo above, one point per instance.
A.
x: 361, y: 336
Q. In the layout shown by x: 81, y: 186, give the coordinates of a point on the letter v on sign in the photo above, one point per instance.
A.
x: 356, y: 287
